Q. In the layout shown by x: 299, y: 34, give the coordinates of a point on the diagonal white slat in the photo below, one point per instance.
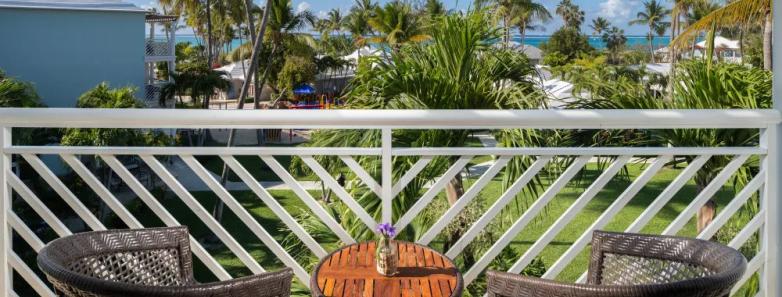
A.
x: 59, y: 187
x: 705, y: 195
x: 666, y: 195
x: 28, y: 275
x: 662, y: 199
x: 616, y: 206
x: 25, y: 232
x: 206, y: 217
x: 753, y: 226
x: 525, y: 218
x: 464, y: 200
x: 305, y: 197
x: 343, y: 195
x: 163, y: 214
x: 13, y: 294
x: 570, y: 213
x: 46, y: 214
x: 753, y: 266
x: 275, y: 206
x: 246, y: 218
x: 498, y: 205
x: 411, y: 174
x: 735, y: 204
x: 435, y: 189
x: 102, y: 191
x: 363, y: 175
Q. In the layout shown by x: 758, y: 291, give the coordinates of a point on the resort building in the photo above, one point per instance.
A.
x: 48, y: 41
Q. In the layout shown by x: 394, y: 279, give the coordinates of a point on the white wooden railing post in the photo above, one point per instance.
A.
x: 773, y: 279
x: 387, y: 175
x: 5, y: 204
x: 769, y: 237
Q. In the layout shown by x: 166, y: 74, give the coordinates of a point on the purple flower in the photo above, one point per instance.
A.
x: 386, y: 229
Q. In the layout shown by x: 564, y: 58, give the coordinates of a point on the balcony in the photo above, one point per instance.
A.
x: 581, y: 189
x: 158, y: 47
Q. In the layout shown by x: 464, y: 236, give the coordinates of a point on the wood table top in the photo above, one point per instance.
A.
x: 350, y: 271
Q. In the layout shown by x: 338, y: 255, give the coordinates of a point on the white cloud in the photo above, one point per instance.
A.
x: 302, y: 7
x: 322, y: 14
x: 617, y: 9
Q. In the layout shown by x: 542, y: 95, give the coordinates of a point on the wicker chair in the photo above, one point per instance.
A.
x: 633, y: 265
x: 144, y: 262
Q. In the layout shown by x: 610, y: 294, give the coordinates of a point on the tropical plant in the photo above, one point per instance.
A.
x: 568, y: 42
x: 432, y: 10
x: 103, y: 96
x: 722, y: 86
x: 357, y: 22
x: 519, y: 13
x: 527, y: 13
x: 743, y: 13
x: 615, y: 41
x: 571, y: 14
x: 397, y: 24
x: 16, y: 93
x: 296, y: 71
x: 335, y: 20
x: 600, y: 25
x: 653, y: 16
x: 457, y: 69
x: 197, y: 81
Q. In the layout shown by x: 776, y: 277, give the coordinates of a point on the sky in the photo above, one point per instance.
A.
x: 619, y: 12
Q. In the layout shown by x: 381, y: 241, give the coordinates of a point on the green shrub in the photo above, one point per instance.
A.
x: 569, y: 42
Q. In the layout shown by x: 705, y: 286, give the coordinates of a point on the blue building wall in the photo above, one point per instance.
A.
x: 66, y: 52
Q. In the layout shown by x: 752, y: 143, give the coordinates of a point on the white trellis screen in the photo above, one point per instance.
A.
x: 17, y: 191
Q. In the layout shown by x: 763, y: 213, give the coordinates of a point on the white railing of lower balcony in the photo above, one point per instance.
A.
x: 598, y: 195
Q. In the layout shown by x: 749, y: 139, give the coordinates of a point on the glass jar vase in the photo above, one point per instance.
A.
x: 386, y: 256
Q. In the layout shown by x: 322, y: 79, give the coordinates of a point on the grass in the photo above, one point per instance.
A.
x: 522, y: 242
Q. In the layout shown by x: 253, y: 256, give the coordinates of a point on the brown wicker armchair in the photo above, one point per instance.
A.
x: 144, y: 262
x: 634, y: 265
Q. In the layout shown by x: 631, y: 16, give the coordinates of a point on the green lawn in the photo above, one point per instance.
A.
x: 487, y: 196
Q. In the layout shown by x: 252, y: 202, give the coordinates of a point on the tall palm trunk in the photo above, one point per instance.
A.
x: 651, y: 43
x: 523, y: 33
x: 767, y: 42
x: 209, y: 40
x: 248, y: 4
x: 217, y: 211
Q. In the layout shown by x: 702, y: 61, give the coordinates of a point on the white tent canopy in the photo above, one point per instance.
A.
x: 721, y: 43
x: 236, y: 70
x: 363, y: 52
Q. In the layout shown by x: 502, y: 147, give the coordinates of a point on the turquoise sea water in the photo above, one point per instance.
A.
x: 534, y: 40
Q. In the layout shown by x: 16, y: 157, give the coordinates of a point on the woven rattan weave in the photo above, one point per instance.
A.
x: 634, y: 265
x: 142, y: 262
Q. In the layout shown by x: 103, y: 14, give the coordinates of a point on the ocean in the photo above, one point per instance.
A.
x: 534, y: 40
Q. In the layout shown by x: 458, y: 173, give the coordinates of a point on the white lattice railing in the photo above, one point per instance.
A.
x: 14, y: 190
x: 159, y: 47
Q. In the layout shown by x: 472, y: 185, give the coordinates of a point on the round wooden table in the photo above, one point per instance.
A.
x: 350, y: 271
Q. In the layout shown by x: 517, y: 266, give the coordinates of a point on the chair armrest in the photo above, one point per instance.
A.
x: 501, y: 284
x: 269, y: 284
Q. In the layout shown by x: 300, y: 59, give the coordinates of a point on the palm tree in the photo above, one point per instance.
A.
x: 434, y: 9
x: 457, y: 69
x: 600, y: 25
x: 699, y: 87
x: 357, y: 22
x: 738, y: 13
x: 397, y: 24
x: 335, y: 20
x: 527, y: 12
x: 653, y: 16
x: 571, y: 14
x: 615, y: 40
